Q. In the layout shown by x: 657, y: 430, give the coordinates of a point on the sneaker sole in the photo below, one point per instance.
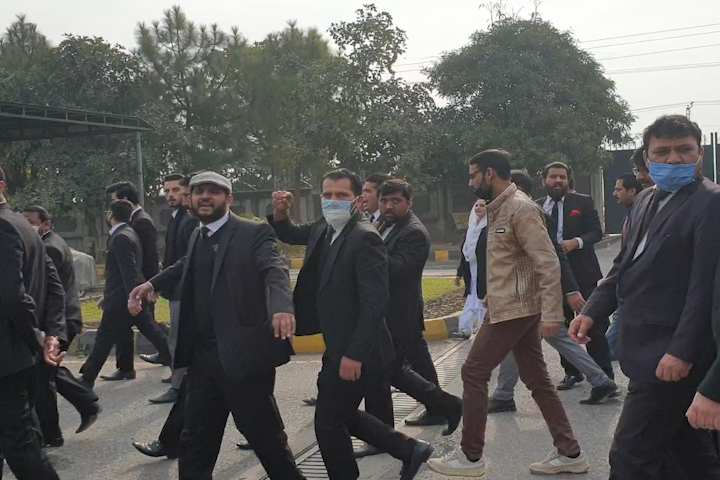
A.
x: 441, y: 469
x: 555, y: 471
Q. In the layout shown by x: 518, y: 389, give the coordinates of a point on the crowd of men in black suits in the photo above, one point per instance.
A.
x: 233, y: 313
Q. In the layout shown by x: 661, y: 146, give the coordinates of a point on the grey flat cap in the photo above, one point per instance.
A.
x: 212, y: 178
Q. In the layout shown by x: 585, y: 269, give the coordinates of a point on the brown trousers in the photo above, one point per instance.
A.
x: 492, y: 344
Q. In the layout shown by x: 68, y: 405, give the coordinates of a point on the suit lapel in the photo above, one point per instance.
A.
x: 333, y: 253
x: 567, y: 213
x: 392, y: 235
x: 321, y: 227
x: 675, y: 201
x: 222, y: 249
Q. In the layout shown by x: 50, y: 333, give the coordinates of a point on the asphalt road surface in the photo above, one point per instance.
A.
x: 513, y: 440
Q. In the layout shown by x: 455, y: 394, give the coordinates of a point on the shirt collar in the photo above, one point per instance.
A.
x: 494, y: 205
x: 3, y: 202
x: 549, y: 200
x: 114, y: 229
x: 175, y: 212
x: 132, y: 215
x: 217, y: 224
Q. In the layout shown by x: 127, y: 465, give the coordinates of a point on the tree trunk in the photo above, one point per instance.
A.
x: 297, y: 176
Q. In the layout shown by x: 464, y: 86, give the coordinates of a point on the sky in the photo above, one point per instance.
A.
x: 637, y: 63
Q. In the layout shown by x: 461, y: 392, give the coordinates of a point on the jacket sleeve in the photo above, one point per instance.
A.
x: 188, y: 228
x: 710, y: 386
x: 567, y: 277
x: 18, y: 306
x: 168, y: 276
x: 290, y: 233
x: 272, y: 267
x: 147, y: 233
x: 371, y: 272
x: 55, y: 322
x: 529, y: 227
x: 591, y: 224
x: 694, y: 326
x: 410, y: 250
x: 124, y: 251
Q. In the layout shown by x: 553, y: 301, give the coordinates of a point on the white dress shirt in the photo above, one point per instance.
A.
x: 215, y: 226
x: 641, y: 246
x: 387, y: 231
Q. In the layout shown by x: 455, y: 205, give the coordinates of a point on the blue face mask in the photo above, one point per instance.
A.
x: 672, y: 178
x: 337, y: 212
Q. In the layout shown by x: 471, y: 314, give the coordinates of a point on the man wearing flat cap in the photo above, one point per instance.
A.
x: 236, y: 319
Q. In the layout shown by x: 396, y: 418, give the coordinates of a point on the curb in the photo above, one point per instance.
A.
x: 435, y: 329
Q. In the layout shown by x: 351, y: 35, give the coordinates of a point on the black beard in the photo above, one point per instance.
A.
x: 217, y: 214
x: 483, y: 194
x: 552, y: 193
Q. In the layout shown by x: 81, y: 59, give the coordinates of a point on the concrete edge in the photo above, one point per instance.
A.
x: 435, y: 329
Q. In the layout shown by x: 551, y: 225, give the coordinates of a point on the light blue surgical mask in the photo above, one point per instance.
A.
x: 337, y: 213
x: 672, y: 178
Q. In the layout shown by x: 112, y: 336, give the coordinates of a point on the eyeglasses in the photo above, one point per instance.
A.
x: 636, y: 171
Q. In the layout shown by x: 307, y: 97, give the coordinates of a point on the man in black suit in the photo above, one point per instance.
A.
x: 576, y: 225
x: 661, y: 284
x: 122, y: 274
x: 408, y: 246
x: 54, y: 380
x: 342, y: 292
x: 177, y: 238
x: 143, y: 225
x: 23, y: 290
x: 371, y: 201
x: 236, y: 318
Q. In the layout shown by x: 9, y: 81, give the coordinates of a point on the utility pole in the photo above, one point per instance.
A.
x: 688, y: 109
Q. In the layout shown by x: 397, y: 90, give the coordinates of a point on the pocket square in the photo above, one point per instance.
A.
x: 575, y: 213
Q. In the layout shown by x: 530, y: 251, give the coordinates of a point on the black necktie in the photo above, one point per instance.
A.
x: 555, y: 215
x: 204, y: 231
x: 658, y: 196
x: 328, y: 236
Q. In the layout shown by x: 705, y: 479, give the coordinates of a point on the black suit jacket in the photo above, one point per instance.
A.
x: 177, y: 239
x: 664, y: 297
x: 31, y: 295
x: 122, y: 268
x: 464, y: 267
x: 581, y: 219
x: 146, y: 232
x: 250, y: 284
x: 62, y: 258
x: 348, y: 300
x: 408, y: 247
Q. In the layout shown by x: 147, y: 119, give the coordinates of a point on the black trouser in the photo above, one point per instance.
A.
x: 418, y: 356
x: 125, y: 344
x: 211, y: 396
x: 598, y: 348
x: 337, y: 418
x: 112, y: 326
x: 654, y: 441
x: 54, y: 380
x: 19, y: 442
x: 170, y: 433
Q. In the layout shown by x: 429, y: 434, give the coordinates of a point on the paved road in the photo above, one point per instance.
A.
x: 514, y: 441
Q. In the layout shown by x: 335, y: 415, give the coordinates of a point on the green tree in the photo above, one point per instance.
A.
x: 525, y: 86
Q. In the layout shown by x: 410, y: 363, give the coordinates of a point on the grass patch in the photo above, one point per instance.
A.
x: 433, y: 289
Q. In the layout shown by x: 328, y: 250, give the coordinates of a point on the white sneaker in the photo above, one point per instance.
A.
x: 555, y: 463
x: 455, y: 463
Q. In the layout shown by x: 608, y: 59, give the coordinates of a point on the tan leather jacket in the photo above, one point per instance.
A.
x: 523, y: 270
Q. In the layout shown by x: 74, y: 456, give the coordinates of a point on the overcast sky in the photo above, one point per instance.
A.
x: 435, y: 26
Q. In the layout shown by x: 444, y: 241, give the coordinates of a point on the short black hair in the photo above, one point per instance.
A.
x: 341, y: 173
x: 121, y: 210
x: 185, y: 182
x: 497, y: 159
x: 173, y: 177
x: 522, y: 180
x: 43, y: 214
x: 638, y: 158
x: 378, y: 178
x: 629, y: 181
x: 125, y: 190
x: 672, y: 126
x: 3, y: 178
x: 547, y: 168
x: 393, y: 186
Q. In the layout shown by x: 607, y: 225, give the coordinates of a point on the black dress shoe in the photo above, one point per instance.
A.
x: 155, y: 449
x: 244, y: 446
x: 88, y: 418
x: 54, y: 443
x: 311, y: 402
x: 420, y: 455
x: 598, y: 394
x: 498, y: 406
x: 170, y: 396
x: 426, y: 420
x: 570, y: 381
x: 119, y: 375
x: 366, y: 451
x: 87, y: 383
x: 154, y: 358
x: 167, y: 380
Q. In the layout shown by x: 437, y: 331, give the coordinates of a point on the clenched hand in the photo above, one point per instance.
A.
x: 350, y: 369
x: 283, y: 325
x: 672, y: 369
